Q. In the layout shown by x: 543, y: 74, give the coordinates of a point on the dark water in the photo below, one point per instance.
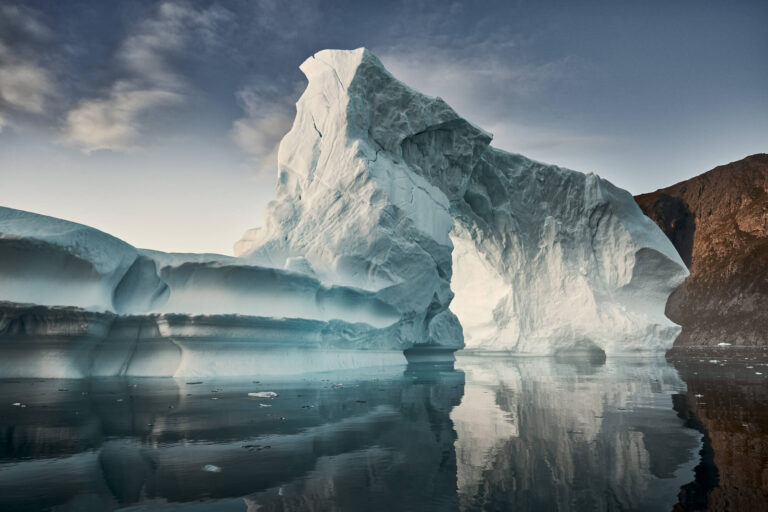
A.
x: 491, y: 434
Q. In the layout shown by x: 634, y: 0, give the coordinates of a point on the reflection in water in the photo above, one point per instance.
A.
x: 329, y: 441
x: 727, y: 400
x: 543, y: 434
x: 494, y: 434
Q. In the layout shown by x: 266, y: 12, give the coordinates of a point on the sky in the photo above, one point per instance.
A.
x: 158, y: 121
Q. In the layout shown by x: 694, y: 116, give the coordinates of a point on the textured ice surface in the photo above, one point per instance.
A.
x: 548, y: 259
x: 365, y: 180
x: 377, y: 184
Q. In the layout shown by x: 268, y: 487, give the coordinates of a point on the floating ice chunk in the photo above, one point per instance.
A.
x: 263, y: 394
x: 723, y: 344
x: 210, y: 468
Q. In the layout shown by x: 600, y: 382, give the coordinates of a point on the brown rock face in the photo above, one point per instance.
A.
x: 718, y: 222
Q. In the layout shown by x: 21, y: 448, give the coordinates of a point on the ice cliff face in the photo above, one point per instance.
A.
x: 386, y: 189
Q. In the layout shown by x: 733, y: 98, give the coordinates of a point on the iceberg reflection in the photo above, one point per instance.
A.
x: 570, y: 434
x: 341, y: 440
x: 494, y: 434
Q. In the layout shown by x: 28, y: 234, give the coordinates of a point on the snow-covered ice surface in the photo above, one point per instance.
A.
x: 393, y: 221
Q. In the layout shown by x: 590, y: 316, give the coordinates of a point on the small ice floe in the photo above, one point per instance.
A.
x: 17, y: 404
x: 758, y: 373
x: 210, y: 468
x: 263, y: 394
x: 714, y: 361
x: 750, y: 366
x: 723, y: 344
x: 697, y: 395
x: 264, y: 405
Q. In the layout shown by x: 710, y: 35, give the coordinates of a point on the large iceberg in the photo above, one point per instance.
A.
x: 396, y: 229
x: 386, y: 189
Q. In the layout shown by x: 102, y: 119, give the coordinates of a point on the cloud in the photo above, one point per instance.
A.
x: 499, y: 90
x: 269, y: 114
x: 283, y: 20
x: 149, y: 80
x: 114, y: 122
x: 481, y: 82
x: 25, y: 85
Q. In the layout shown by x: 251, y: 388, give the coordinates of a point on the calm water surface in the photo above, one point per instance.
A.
x: 490, y: 434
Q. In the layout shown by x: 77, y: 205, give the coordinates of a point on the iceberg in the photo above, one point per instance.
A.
x: 413, y: 205
x: 396, y: 233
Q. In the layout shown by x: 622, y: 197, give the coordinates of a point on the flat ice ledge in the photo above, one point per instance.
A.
x: 39, y: 341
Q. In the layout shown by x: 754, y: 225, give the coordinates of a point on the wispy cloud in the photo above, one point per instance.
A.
x: 149, y: 79
x: 269, y: 113
x: 25, y: 85
x: 498, y: 90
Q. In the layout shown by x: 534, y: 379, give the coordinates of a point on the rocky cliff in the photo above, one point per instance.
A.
x: 718, y: 222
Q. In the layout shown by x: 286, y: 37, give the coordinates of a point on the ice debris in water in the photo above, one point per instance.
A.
x: 210, y: 468
x: 263, y: 394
